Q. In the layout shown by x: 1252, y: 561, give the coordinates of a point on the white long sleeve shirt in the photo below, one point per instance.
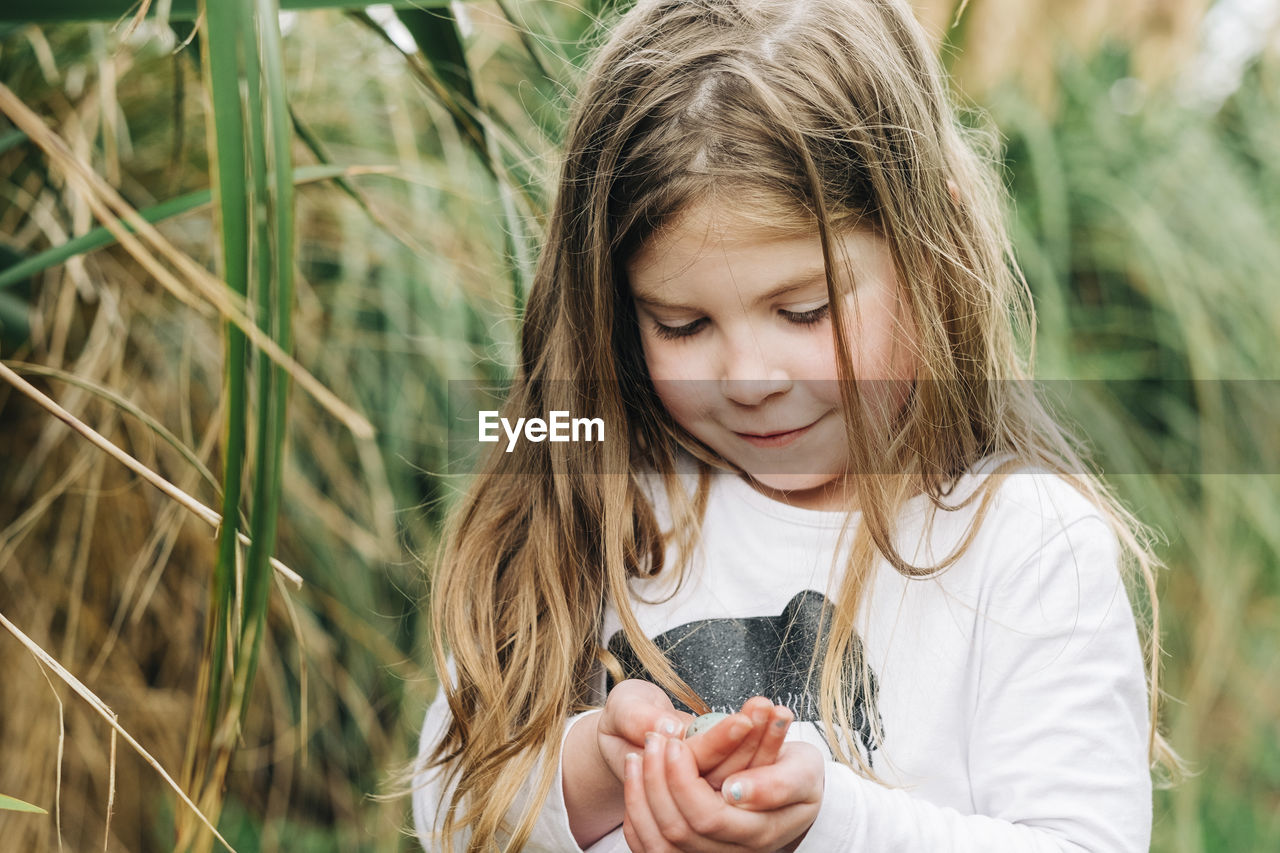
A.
x: 1009, y: 689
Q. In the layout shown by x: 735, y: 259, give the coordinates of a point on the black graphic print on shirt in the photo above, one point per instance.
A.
x: 727, y: 661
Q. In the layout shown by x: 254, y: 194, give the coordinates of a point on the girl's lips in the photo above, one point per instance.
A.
x: 777, y: 439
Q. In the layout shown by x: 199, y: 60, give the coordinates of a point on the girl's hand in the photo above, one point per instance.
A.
x: 670, y: 807
x: 632, y: 708
x: 635, y: 708
x: 769, y: 726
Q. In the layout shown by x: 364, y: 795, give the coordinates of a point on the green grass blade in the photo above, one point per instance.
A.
x: 271, y: 139
x: 280, y: 125
x: 475, y: 124
x: 124, y: 405
x: 11, y: 139
x: 530, y: 46
x: 180, y: 10
x: 14, y: 325
x: 263, y: 285
x: 440, y: 43
x: 97, y: 238
x: 437, y: 35
x: 12, y: 804
x: 100, y: 237
x: 223, y: 73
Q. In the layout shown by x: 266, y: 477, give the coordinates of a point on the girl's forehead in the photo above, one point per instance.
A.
x: 752, y: 263
x: 717, y: 227
x: 710, y: 232
x: 742, y: 212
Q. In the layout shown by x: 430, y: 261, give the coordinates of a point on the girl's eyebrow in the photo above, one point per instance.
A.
x: 795, y: 282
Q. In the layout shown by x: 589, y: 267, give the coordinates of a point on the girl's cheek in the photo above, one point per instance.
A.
x: 663, y: 366
x: 685, y: 360
x: 685, y: 399
x: 659, y: 353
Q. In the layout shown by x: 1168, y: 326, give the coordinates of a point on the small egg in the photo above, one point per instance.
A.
x: 701, y: 724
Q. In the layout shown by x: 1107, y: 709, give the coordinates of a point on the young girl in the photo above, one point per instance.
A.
x: 828, y: 502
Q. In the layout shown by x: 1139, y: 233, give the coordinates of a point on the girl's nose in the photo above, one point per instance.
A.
x: 751, y: 375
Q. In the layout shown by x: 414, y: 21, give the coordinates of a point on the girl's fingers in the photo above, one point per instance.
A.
x: 666, y: 814
x: 757, y: 709
x: 760, y: 746
x: 702, y: 808
x: 638, y: 826
x: 774, y: 734
x: 639, y: 707
x: 712, y: 747
x: 796, y: 777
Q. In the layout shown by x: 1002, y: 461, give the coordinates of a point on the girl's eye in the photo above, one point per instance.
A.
x: 808, y: 318
x: 672, y: 333
x: 800, y: 318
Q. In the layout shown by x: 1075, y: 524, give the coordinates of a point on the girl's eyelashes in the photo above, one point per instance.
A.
x: 800, y: 318
x: 808, y: 318
x: 672, y: 333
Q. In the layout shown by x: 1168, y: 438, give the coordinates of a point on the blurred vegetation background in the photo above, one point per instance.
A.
x: 378, y: 177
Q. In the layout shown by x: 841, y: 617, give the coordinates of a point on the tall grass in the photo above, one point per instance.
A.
x: 1148, y: 234
x: 347, y: 496
x: 417, y: 184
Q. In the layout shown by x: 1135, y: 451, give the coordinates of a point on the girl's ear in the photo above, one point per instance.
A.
x: 954, y: 190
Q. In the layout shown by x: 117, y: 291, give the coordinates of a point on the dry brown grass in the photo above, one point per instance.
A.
x: 111, y: 577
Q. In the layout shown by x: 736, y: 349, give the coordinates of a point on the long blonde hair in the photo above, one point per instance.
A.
x: 824, y: 114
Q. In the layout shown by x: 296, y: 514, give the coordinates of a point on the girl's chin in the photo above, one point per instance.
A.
x: 813, y: 491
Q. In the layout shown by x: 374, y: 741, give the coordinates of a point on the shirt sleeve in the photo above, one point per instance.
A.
x: 551, y: 833
x: 1058, y: 739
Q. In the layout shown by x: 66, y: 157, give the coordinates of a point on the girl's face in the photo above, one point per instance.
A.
x: 738, y: 339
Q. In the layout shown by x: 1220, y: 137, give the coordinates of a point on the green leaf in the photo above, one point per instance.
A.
x: 271, y: 160
x: 11, y: 139
x: 14, y: 327
x: 180, y: 10
x: 438, y: 38
x: 223, y: 76
x: 96, y: 239
x: 99, y: 237
x: 14, y: 805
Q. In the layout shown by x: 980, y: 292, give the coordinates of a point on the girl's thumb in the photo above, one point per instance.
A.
x: 736, y: 791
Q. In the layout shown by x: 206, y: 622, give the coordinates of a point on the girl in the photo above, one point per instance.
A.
x: 828, y: 502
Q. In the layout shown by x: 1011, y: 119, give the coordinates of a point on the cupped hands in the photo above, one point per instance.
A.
x: 734, y: 787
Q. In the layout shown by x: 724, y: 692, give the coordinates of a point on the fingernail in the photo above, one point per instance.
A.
x: 651, y: 742
x: 630, y: 764
x: 782, y: 724
x: 673, y: 750
x: 669, y: 727
x: 739, y: 729
x: 736, y: 791
x: 759, y: 717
